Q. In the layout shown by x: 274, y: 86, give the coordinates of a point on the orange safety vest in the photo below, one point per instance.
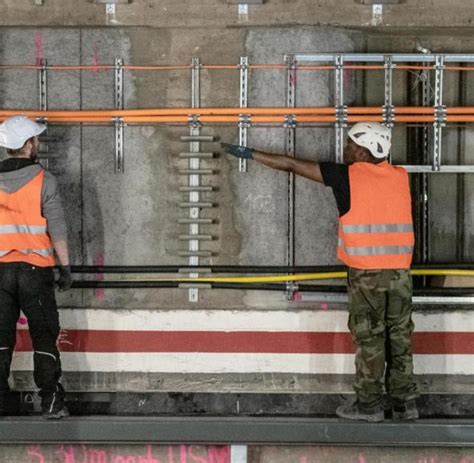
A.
x: 23, y: 230
x: 377, y: 232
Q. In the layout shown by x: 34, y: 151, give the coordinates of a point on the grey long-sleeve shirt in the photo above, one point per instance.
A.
x: 17, y: 172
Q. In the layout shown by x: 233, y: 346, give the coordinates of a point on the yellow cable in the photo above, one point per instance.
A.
x: 301, y: 277
x: 444, y: 272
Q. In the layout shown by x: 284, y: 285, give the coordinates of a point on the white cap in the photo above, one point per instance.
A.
x: 373, y: 136
x: 16, y: 130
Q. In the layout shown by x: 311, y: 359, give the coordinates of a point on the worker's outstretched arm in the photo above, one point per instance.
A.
x: 308, y: 169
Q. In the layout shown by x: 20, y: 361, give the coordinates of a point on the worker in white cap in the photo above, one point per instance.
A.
x: 375, y: 241
x: 32, y: 235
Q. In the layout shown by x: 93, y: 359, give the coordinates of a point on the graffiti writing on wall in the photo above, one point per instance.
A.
x: 127, y: 454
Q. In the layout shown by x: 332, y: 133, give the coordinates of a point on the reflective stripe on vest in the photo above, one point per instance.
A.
x: 41, y: 252
x: 31, y: 229
x: 375, y: 250
x: 378, y: 228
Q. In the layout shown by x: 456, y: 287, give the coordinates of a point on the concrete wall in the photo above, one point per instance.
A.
x: 221, y: 454
x: 131, y: 219
x: 217, y: 13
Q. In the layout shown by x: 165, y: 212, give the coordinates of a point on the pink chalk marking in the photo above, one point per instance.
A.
x: 63, y: 338
x: 95, y: 60
x: 170, y: 454
x: 118, y: 459
x: 39, y: 48
x: 324, y: 306
x: 303, y: 460
x: 196, y: 458
x: 99, y: 292
x: 347, y: 77
x: 149, y: 456
x: 97, y: 456
x: 362, y: 458
x: 36, y: 452
x: 218, y: 454
x: 68, y: 456
x: 297, y: 296
x: 183, y: 454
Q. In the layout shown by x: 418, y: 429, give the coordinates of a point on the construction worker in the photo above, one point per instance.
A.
x: 376, y: 243
x: 32, y: 227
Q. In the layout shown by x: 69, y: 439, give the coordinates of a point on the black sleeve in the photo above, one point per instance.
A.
x: 336, y: 176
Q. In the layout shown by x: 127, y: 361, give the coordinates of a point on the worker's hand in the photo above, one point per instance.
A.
x: 65, y: 278
x: 237, y: 151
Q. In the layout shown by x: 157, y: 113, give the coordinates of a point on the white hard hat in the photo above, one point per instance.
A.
x: 373, y: 136
x: 16, y: 130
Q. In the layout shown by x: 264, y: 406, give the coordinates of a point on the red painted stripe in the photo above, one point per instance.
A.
x: 240, y: 342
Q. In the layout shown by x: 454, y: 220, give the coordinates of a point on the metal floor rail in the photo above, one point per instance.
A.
x: 239, y: 430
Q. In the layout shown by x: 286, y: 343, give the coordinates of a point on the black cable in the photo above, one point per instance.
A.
x: 242, y: 268
x: 335, y: 289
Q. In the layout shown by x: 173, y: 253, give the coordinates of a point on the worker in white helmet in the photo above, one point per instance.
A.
x: 375, y: 241
x: 32, y: 231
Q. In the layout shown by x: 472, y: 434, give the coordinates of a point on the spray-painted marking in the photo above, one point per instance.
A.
x: 38, y: 48
x: 129, y: 454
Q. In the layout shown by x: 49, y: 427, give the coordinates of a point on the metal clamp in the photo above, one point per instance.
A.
x: 441, y: 115
x: 388, y: 115
x: 291, y: 289
x: 194, y: 121
x: 245, y: 121
x: 290, y: 121
x: 341, y: 115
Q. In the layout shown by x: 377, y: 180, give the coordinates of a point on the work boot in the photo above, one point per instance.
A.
x: 406, y: 411
x: 53, y: 414
x: 53, y: 404
x: 358, y: 412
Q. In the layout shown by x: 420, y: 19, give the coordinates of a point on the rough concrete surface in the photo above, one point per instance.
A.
x: 217, y: 13
x: 133, y: 218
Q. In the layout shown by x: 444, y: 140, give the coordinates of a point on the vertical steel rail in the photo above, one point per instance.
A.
x: 388, y: 95
x: 194, y: 179
x: 243, y: 102
x: 440, y: 113
x: 424, y: 237
x: 340, y: 108
x: 43, y: 86
x: 461, y: 178
x: 118, y: 122
x: 43, y: 93
x: 290, y: 151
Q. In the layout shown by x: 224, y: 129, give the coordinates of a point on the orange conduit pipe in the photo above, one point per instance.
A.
x: 302, y: 67
x: 254, y: 119
x: 257, y: 115
x: 273, y: 111
x: 178, y: 112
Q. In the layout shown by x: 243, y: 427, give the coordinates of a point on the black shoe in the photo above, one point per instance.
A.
x: 406, y: 411
x: 55, y: 414
x: 52, y: 404
x: 356, y: 412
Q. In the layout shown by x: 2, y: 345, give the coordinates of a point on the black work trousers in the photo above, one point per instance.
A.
x: 31, y: 289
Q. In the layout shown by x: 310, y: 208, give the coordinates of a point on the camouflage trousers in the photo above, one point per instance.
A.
x: 381, y: 327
